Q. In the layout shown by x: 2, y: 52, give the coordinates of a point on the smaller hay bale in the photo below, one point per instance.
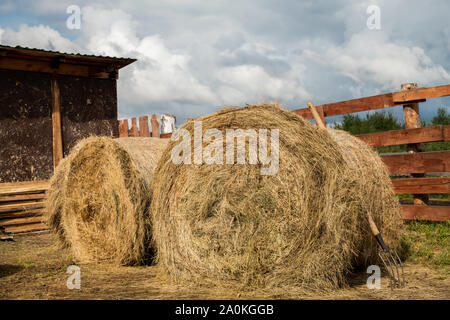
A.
x: 99, y: 197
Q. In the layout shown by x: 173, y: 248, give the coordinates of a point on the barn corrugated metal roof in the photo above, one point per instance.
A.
x: 120, y: 62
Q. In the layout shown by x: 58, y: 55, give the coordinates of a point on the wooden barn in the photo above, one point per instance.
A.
x: 48, y: 101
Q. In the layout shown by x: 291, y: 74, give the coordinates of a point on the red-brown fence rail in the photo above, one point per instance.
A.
x: 416, y: 162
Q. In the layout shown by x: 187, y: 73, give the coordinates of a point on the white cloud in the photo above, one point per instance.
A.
x: 108, y: 32
x: 194, y: 56
x: 370, y: 58
x: 252, y: 84
x: 41, y: 37
x: 159, y: 74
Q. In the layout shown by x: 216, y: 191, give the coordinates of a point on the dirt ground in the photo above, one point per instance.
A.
x: 33, y: 267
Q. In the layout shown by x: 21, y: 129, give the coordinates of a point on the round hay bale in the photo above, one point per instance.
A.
x: 99, y: 198
x: 376, y: 194
x: 227, y: 223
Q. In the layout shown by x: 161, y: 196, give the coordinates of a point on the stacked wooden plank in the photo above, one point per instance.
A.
x: 21, y: 206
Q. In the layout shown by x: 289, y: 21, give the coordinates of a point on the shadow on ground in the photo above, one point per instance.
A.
x: 9, y: 269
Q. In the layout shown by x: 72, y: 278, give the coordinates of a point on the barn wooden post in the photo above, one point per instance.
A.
x: 56, y: 122
x: 134, y: 130
x: 144, y: 130
x: 155, y: 126
x: 412, y: 120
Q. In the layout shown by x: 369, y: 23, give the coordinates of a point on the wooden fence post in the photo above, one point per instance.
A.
x: 123, y: 128
x: 134, y: 129
x: 155, y: 126
x: 412, y: 120
x: 144, y: 130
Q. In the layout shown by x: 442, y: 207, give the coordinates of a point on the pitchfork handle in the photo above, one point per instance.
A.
x: 381, y: 242
x: 376, y: 232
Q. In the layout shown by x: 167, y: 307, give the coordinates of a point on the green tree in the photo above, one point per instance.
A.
x: 442, y: 117
x: 373, y: 122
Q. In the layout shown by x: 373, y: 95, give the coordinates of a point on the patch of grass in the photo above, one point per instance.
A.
x: 428, y: 243
x: 26, y: 262
x: 431, y: 196
x: 428, y: 146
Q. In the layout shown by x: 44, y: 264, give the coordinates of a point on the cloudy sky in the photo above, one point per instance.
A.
x: 195, y: 57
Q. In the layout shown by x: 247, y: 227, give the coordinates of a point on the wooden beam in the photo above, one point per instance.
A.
x: 421, y: 185
x: 21, y: 206
x: 22, y: 214
x: 20, y: 221
x: 144, y: 130
x: 165, y: 135
x: 321, y: 114
x: 123, y: 128
x: 21, y: 190
x: 446, y: 133
x: 350, y: 106
x: 26, y: 228
x: 377, y: 102
x: 20, y: 197
x: 44, y: 184
x: 109, y: 64
x: 134, y: 129
x: 433, y: 213
x: 45, y: 66
x: 318, y: 116
x: 421, y: 93
x: 155, y: 126
x: 56, y: 123
x: 405, y: 136
x: 435, y: 161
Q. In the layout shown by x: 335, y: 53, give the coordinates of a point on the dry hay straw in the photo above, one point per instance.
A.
x: 99, y: 199
x: 304, y: 227
x: 375, y: 193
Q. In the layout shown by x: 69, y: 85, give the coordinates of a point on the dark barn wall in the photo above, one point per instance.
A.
x: 88, y: 107
x: 25, y: 126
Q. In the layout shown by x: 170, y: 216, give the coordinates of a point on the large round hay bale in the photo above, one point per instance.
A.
x: 303, y: 226
x: 99, y: 198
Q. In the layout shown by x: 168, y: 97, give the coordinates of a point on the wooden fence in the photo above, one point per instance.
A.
x: 143, y: 130
x: 414, y: 163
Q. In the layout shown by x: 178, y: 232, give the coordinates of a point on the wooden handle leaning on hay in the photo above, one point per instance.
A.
x: 376, y: 233
x: 372, y: 224
x: 316, y: 115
